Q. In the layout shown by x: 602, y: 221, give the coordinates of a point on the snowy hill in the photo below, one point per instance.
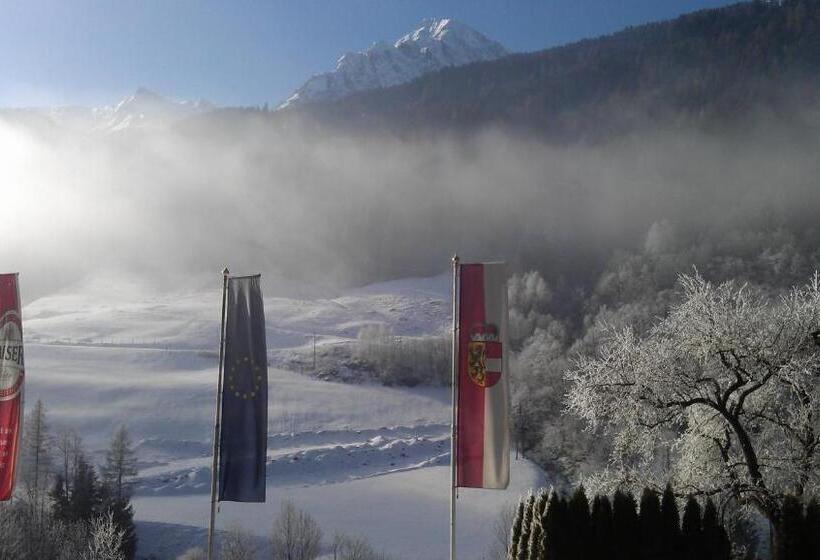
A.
x: 109, y: 312
x: 362, y: 458
x: 435, y: 45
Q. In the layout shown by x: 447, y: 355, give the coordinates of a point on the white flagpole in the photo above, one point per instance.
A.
x: 454, y: 420
x: 217, y: 415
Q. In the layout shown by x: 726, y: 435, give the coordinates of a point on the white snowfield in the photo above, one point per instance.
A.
x: 363, y: 459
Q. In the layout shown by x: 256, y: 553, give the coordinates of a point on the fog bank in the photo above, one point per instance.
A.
x: 328, y: 209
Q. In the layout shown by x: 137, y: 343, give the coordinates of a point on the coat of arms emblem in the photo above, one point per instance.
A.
x: 484, y: 355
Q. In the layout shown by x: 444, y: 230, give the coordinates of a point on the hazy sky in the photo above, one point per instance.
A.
x: 241, y: 52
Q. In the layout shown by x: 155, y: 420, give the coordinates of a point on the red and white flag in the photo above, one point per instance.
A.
x: 483, y: 440
x: 11, y: 381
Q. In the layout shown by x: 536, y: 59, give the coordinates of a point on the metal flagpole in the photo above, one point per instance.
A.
x: 217, y: 415
x: 454, y: 420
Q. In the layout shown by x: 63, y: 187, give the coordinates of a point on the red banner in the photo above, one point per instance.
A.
x: 483, y: 443
x: 12, y: 373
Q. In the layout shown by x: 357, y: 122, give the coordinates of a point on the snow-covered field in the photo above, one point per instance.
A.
x: 363, y: 459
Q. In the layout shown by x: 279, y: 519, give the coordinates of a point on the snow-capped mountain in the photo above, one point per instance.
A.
x: 146, y: 108
x: 143, y: 109
x: 436, y: 44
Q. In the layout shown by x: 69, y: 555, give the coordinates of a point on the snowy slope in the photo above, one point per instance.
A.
x: 112, y: 313
x: 435, y: 45
x: 364, y: 459
x: 405, y: 513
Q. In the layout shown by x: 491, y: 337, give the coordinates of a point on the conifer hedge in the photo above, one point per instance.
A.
x: 550, y: 527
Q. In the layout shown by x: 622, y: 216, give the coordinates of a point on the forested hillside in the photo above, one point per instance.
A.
x: 709, y: 68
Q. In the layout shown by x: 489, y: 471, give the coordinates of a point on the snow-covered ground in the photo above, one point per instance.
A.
x: 363, y: 459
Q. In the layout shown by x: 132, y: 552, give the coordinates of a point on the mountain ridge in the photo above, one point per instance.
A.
x: 438, y: 43
x: 142, y: 109
x: 705, y: 68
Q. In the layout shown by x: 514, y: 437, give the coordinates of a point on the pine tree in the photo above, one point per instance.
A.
x: 120, y: 463
x: 85, y: 499
x: 122, y: 515
x: 670, y: 519
x: 580, y: 526
x: 115, y: 495
x: 649, y: 519
x: 69, y: 448
x: 556, y: 527
x: 692, y: 531
x: 602, y: 531
x: 36, y: 459
x: 811, y: 529
x: 526, y: 526
x: 536, y: 545
x: 59, y: 499
x: 789, y: 543
x: 715, y: 540
x: 515, y: 530
x: 625, y: 526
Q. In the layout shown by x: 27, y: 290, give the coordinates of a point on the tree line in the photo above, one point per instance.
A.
x: 65, y: 507
x: 406, y: 361
x: 548, y: 526
x: 709, y: 67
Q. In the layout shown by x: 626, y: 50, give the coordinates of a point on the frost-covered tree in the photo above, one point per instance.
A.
x: 236, y: 544
x: 123, y: 516
x: 528, y: 298
x: 28, y: 535
x: 515, y: 530
x: 729, y: 382
x: 526, y: 526
x: 346, y: 547
x: 11, y: 535
x: 403, y: 360
x: 543, y: 431
x: 295, y: 534
x: 537, y: 544
x: 105, y: 540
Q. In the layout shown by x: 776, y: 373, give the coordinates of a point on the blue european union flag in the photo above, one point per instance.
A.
x: 243, y: 433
